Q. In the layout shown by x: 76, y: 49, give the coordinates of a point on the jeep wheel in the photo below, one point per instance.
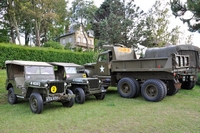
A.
x: 100, y: 96
x: 69, y: 103
x: 153, y: 90
x: 80, y: 95
x: 188, y: 85
x: 36, y: 103
x: 126, y: 88
x: 171, y: 89
x: 12, y: 98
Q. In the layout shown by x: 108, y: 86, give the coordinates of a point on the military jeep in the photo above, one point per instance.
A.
x: 36, y: 81
x: 81, y: 86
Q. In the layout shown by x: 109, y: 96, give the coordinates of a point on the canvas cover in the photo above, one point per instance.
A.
x: 191, y: 50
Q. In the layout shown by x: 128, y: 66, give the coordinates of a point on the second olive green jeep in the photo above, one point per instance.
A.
x: 81, y: 86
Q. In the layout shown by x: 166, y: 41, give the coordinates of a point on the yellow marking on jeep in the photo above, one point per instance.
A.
x: 128, y: 50
x: 53, y: 89
x: 84, y: 75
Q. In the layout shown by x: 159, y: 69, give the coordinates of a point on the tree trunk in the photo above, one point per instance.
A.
x: 37, y: 34
x: 12, y: 34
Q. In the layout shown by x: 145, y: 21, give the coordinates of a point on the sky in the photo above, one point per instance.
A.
x: 147, y: 4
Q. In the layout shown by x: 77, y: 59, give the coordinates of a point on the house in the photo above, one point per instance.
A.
x: 76, y: 39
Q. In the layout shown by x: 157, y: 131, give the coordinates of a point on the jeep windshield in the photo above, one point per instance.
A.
x: 39, y: 72
x: 73, y: 70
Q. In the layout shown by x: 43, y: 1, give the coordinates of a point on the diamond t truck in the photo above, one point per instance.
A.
x: 154, y: 78
x: 35, y: 81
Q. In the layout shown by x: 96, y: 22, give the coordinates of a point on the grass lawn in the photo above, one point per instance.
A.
x: 177, y: 114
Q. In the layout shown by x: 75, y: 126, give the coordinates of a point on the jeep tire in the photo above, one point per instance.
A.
x: 36, y: 103
x: 69, y: 103
x: 80, y: 95
x: 12, y: 98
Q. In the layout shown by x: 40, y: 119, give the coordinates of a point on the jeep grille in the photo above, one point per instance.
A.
x: 94, y: 83
x: 59, y: 86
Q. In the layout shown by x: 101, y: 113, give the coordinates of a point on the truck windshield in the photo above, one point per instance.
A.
x: 39, y: 70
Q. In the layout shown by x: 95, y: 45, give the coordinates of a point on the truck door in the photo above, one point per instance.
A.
x: 102, y: 65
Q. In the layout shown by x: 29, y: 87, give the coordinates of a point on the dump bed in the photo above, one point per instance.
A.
x: 165, y: 64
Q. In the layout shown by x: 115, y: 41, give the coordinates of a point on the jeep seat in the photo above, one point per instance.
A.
x: 19, y: 82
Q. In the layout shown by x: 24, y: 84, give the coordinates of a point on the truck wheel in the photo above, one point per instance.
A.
x: 164, y: 85
x: 36, y: 103
x: 137, y: 87
x: 153, y: 90
x: 188, y: 85
x: 171, y: 89
x: 12, y: 98
x: 69, y: 103
x: 80, y: 95
x: 126, y: 88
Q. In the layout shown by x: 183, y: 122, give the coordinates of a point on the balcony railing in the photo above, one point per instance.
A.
x: 84, y: 45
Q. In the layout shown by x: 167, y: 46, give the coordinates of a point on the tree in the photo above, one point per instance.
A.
x: 179, y: 9
x: 81, y: 15
x: 119, y: 22
x: 157, y: 22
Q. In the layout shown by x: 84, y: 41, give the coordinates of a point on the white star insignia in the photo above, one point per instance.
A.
x: 102, y: 68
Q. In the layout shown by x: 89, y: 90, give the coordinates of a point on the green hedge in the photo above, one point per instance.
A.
x: 16, y: 52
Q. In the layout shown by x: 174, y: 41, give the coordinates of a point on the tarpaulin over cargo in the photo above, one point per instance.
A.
x: 191, y: 50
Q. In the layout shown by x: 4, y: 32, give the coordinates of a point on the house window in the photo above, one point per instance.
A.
x: 90, y: 42
x: 70, y: 39
x: 78, y: 39
x: 84, y: 40
x: 63, y: 41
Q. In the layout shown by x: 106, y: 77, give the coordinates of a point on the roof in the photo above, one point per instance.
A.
x: 27, y: 63
x: 65, y: 64
x: 167, y: 51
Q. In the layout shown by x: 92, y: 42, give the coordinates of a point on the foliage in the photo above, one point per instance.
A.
x: 53, y: 44
x: 16, y: 52
x: 198, y: 81
x: 81, y: 15
x: 119, y: 22
x: 68, y: 46
x: 192, y: 7
x: 157, y: 21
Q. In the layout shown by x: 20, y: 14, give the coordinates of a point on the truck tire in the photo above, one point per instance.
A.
x: 153, y: 90
x: 188, y: 85
x: 126, y: 88
x: 137, y: 87
x: 12, y: 98
x: 171, y: 89
x: 164, y: 85
x: 80, y: 95
x: 69, y: 103
x: 36, y: 103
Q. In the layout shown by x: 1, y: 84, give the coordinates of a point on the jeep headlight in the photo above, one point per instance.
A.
x: 46, y: 85
x: 99, y: 81
x: 65, y: 84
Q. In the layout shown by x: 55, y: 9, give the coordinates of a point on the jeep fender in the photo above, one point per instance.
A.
x: 89, y: 72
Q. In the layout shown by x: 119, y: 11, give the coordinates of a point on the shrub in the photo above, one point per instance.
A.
x: 198, y: 81
x: 53, y: 44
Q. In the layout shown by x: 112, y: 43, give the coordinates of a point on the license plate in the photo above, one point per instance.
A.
x: 51, y: 98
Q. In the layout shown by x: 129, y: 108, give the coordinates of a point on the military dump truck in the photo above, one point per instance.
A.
x: 188, y: 78
x: 81, y: 86
x: 36, y: 81
x: 154, y: 78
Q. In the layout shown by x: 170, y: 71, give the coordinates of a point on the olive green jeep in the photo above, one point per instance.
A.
x: 81, y: 86
x: 36, y: 81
